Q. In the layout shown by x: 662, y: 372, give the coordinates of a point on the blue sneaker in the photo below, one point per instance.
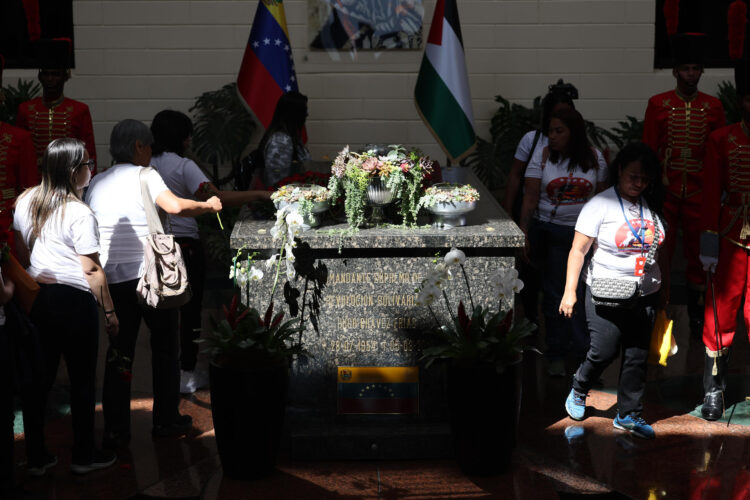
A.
x: 575, y: 404
x: 635, y: 425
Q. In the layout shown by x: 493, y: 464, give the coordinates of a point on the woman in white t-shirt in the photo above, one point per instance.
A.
x: 621, y: 224
x: 560, y: 179
x: 57, y: 237
x: 115, y: 197
x: 172, y: 132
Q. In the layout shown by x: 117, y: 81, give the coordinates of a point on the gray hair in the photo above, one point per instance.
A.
x: 123, y: 138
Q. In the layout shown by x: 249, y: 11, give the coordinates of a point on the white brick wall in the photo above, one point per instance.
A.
x: 136, y: 57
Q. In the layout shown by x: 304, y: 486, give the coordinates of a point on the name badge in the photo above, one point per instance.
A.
x: 640, y: 266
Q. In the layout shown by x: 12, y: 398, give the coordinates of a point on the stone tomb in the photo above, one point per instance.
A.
x: 369, y: 317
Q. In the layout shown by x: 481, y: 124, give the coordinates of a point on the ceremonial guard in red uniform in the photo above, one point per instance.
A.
x: 676, y: 127
x: 725, y: 243
x: 53, y: 115
x: 17, y: 168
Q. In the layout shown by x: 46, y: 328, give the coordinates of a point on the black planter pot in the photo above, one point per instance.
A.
x: 484, y: 407
x: 248, y: 406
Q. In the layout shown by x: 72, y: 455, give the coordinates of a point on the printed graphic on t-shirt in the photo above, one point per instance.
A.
x: 569, y: 190
x: 626, y: 241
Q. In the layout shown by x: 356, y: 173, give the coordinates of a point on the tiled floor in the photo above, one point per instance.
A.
x: 555, y: 458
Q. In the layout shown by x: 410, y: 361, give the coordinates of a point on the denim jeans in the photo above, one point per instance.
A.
x: 165, y: 368
x: 614, y: 330
x: 550, y: 248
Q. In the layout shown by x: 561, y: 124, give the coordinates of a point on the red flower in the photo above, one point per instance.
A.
x: 463, y: 318
x: 126, y: 375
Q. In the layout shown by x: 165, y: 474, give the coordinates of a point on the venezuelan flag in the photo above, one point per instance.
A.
x: 267, y: 69
x: 378, y: 389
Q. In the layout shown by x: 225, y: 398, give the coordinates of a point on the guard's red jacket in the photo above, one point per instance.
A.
x: 17, y: 169
x: 676, y: 130
x: 69, y: 118
x: 726, y: 184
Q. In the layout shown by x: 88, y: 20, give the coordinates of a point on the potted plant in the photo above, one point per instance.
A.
x: 311, y: 200
x: 250, y: 357
x: 370, y: 178
x: 483, y: 347
x: 449, y: 203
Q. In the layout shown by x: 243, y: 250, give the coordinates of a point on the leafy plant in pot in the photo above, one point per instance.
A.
x: 250, y: 357
x: 483, y: 348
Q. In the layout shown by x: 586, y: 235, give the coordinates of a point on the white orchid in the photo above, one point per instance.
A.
x: 271, y: 261
x: 256, y: 274
x: 439, y: 276
x: 455, y: 257
x: 290, y: 272
x: 242, y: 276
x: 428, y: 295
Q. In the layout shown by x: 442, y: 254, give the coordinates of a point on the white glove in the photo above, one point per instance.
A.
x: 709, y: 263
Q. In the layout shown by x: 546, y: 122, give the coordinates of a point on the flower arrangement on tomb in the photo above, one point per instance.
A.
x: 402, y: 171
x: 448, y: 193
x: 307, y: 198
x: 479, y: 334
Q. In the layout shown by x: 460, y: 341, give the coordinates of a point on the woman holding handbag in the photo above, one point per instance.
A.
x: 560, y: 179
x: 57, y: 236
x: 116, y: 198
x: 623, y: 282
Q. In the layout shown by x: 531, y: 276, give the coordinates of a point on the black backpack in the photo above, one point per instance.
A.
x: 250, y: 165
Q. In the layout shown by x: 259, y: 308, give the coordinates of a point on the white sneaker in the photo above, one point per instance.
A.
x: 187, y: 382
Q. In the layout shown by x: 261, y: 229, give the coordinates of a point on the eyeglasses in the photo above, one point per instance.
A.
x: 89, y: 164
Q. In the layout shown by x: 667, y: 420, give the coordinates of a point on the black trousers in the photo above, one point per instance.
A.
x: 613, y: 330
x: 165, y: 368
x: 6, y: 415
x: 190, y: 313
x: 68, y: 322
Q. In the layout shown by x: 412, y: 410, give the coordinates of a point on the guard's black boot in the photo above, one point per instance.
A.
x: 714, y: 383
x: 695, y: 306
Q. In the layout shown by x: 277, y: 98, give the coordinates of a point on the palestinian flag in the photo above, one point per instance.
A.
x: 442, y: 93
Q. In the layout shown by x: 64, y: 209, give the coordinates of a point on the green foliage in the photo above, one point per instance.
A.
x: 627, y: 132
x: 223, y: 127
x: 491, y: 160
x: 14, y: 96
x: 482, y: 338
x: 243, y: 338
x: 727, y: 94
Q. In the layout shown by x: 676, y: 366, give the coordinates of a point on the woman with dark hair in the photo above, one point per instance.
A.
x: 282, y: 145
x: 58, y: 238
x: 560, y: 179
x: 531, y: 142
x: 172, y: 132
x: 115, y: 197
x: 622, y: 224
x: 555, y: 100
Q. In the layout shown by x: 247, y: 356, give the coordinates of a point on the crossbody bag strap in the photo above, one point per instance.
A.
x: 152, y: 217
x: 537, y: 134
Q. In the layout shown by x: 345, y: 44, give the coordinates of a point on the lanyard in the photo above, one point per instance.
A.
x: 640, y: 237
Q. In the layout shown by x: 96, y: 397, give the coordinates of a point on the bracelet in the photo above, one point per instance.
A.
x: 109, y: 312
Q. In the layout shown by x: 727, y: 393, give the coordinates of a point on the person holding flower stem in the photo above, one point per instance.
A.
x: 173, y: 131
x: 622, y: 224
